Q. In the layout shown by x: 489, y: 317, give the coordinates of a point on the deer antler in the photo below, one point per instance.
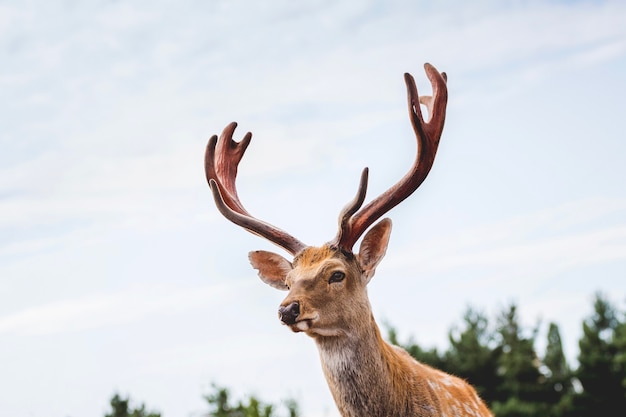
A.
x: 220, y: 164
x: 352, y: 224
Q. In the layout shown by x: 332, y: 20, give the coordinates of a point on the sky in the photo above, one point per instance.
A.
x: 117, y: 272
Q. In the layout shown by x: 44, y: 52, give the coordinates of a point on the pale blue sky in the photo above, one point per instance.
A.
x: 118, y: 273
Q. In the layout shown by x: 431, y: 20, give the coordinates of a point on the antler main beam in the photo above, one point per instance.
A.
x: 221, y: 161
x: 352, y: 224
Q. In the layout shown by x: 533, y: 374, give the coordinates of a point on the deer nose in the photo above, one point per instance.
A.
x: 288, y: 314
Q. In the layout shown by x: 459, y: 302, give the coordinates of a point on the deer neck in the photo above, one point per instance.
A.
x: 360, y: 373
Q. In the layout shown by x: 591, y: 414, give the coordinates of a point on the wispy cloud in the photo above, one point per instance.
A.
x: 127, y: 306
x: 532, y: 245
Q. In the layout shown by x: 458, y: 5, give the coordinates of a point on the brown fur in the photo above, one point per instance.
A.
x: 366, y: 375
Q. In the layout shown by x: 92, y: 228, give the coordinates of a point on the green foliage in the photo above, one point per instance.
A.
x: 505, y: 368
x: 474, y: 355
x: 220, y: 406
x: 522, y: 380
x: 220, y: 403
x: 514, y: 407
x: 120, y: 407
x: 602, y: 370
x: 559, y: 386
x: 620, y: 346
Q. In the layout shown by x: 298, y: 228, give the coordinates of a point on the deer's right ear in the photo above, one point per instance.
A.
x: 273, y: 268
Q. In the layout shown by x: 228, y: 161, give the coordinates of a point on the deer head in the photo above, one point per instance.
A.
x: 326, y: 284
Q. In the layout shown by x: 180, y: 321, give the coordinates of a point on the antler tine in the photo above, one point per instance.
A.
x: 348, y: 211
x: 427, y: 134
x: 221, y: 161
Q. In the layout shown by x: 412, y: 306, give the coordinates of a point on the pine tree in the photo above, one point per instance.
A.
x: 219, y: 400
x: 473, y: 357
x: 120, y: 407
x: 620, y: 346
x: 559, y: 386
x: 601, y: 368
x: 522, y: 381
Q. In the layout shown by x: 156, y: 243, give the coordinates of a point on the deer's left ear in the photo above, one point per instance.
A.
x: 373, y: 247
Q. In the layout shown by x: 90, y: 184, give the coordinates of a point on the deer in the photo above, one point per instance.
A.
x: 327, y: 285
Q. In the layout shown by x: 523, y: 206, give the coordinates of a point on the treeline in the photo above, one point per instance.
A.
x: 501, y: 361
x: 219, y: 404
x: 499, y: 358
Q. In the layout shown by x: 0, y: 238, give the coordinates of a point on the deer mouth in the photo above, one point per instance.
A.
x: 301, y: 326
x: 304, y: 324
x: 308, y: 326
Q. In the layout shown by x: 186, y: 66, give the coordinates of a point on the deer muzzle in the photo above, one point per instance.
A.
x: 289, y: 314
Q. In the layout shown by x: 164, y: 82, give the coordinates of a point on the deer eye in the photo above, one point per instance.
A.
x: 336, y: 276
